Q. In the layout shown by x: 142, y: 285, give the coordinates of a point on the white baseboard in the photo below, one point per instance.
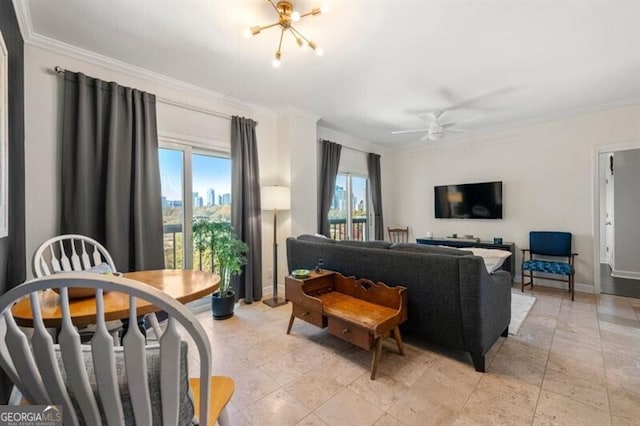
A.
x: 267, y: 291
x: 626, y: 274
x: 538, y: 281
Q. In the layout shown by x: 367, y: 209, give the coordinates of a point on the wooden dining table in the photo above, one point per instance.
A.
x: 183, y: 285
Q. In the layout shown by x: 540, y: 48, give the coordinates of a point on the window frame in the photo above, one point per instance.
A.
x: 349, y: 174
x: 189, y: 146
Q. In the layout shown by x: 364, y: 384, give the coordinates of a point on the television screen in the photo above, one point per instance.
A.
x: 469, y: 201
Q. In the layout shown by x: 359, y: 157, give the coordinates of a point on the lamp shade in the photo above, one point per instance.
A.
x: 276, y: 198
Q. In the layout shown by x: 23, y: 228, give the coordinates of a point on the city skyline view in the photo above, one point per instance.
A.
x: 208, y: 173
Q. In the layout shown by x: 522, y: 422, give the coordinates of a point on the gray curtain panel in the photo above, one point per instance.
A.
x: 329, y: 163
x: 245, y: 205
x: 375, y: 178
x: 110, y: 170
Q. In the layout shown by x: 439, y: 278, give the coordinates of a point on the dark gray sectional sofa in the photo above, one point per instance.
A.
x: 453, y: 301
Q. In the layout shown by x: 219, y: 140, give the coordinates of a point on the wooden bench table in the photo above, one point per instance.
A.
x: 356, y: 310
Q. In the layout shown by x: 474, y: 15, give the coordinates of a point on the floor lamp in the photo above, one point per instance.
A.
x: 275, y: 198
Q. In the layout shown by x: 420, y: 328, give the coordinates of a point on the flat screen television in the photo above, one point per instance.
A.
x: 469, y: 201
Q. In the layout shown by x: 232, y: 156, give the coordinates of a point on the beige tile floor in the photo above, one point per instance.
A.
x: 570, y: 363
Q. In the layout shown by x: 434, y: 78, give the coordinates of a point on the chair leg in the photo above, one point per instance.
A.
x: 376, y: 358
x: 223, y: 418
x: 153, y: 320
x: 572, y: 278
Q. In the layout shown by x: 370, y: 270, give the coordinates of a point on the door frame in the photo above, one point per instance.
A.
x: 598, y: 150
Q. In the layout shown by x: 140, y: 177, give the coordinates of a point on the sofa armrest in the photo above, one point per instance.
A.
x: 485, y: 302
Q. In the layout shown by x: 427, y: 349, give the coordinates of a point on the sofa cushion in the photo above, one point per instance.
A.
x: 317, y: 238
x: 365, y: 244
x: 424, y: 248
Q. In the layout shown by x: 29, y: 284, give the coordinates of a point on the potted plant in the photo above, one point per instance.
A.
x: 228, y: 256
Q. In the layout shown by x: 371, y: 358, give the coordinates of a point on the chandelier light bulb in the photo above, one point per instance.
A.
x: 246, y: 33
x: 319, y: 51
x: 295, y: 16
x: 325, y: 8
x: 276, y: 60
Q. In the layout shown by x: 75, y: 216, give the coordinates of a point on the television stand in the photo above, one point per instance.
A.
x: 509, y: 265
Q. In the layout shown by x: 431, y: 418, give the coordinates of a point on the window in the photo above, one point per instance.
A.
x: 349, y: 208
x: 206, y: 177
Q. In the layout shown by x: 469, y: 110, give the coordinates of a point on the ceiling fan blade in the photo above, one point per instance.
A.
x: 400, y: 132
x: 463, y: 121
x: 472, y: 101
x: 430, y: 117
x: 457, y: 131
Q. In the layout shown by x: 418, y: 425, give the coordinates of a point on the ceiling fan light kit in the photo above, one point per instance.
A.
x: 287, y: 15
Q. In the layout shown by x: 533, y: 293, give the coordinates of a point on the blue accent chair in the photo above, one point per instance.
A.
x: 550, y: 245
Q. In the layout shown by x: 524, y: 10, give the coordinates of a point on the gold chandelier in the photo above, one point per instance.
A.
x: 287, y: 15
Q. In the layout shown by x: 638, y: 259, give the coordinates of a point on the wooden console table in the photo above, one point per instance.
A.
x: 356, y: 310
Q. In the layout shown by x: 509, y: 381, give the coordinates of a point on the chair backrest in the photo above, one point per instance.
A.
x: 35, y: 370
x: 68, y: 253
x: 549, y: 243
x: 399, y: 235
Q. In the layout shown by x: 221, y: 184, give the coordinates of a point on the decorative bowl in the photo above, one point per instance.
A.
x: 301, y: 273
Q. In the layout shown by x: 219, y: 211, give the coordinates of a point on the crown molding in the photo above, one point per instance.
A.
x: 34, y: 39
x: 24, y: 19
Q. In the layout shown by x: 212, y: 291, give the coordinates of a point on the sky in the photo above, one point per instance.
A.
x: 208, y: 172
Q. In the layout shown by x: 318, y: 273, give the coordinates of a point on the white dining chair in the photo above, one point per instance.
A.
x: 73, y: 252
x: 102, y: 384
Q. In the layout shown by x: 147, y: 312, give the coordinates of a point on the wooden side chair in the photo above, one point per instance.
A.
x: 73, y: 252
x: 551, y: 246
x: 102, y: 384
x: 398, y: 235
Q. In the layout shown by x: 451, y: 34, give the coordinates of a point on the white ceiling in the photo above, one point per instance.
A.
x: 384, y: 62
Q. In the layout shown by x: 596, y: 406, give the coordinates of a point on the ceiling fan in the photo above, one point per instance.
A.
x: 436, y: 128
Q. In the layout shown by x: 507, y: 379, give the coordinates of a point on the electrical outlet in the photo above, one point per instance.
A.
x: 269, y: 274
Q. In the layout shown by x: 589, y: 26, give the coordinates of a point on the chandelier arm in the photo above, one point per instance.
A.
x: 274, y: 6
x: 269, y: 26
x: 281, y: 36
x: 300, y: 34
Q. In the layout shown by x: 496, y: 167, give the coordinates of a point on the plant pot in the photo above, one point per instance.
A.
x: 222, y: 306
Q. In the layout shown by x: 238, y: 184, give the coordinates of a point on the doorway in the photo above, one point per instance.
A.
x: 618, y: 266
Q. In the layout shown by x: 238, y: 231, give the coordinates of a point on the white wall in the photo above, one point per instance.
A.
x: 627, y: 213
x: 547, y: 170
x: 43, y: 113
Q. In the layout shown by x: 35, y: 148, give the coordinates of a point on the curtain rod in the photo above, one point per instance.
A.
x: 59, y: 70
x: 352, y: 149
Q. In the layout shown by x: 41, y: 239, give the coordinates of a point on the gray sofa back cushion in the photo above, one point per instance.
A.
x: 365, y: 244
x: 423, y: 248
x: 316, y: 238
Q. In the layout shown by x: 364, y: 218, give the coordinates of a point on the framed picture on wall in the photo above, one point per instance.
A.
x: 4, y: 139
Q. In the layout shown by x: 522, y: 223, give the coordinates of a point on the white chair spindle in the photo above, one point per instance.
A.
x: 106, y: 375
x: 97, y: 259
x: 47, y: 363
x: 75, y: 259
x: 170, y: 373
x: 74, y: 364
x: 64, y: 260
x: 86, y: 262
x: 55, y: 263
x: 136, y: 364
x: 25, y: 366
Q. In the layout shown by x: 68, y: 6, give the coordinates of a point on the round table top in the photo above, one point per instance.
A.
x: 183, y: 285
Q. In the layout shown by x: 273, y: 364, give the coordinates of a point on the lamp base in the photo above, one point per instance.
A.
x: 274, y: 302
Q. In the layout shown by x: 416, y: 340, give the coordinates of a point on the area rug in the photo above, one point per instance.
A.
x: 521, y: 304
